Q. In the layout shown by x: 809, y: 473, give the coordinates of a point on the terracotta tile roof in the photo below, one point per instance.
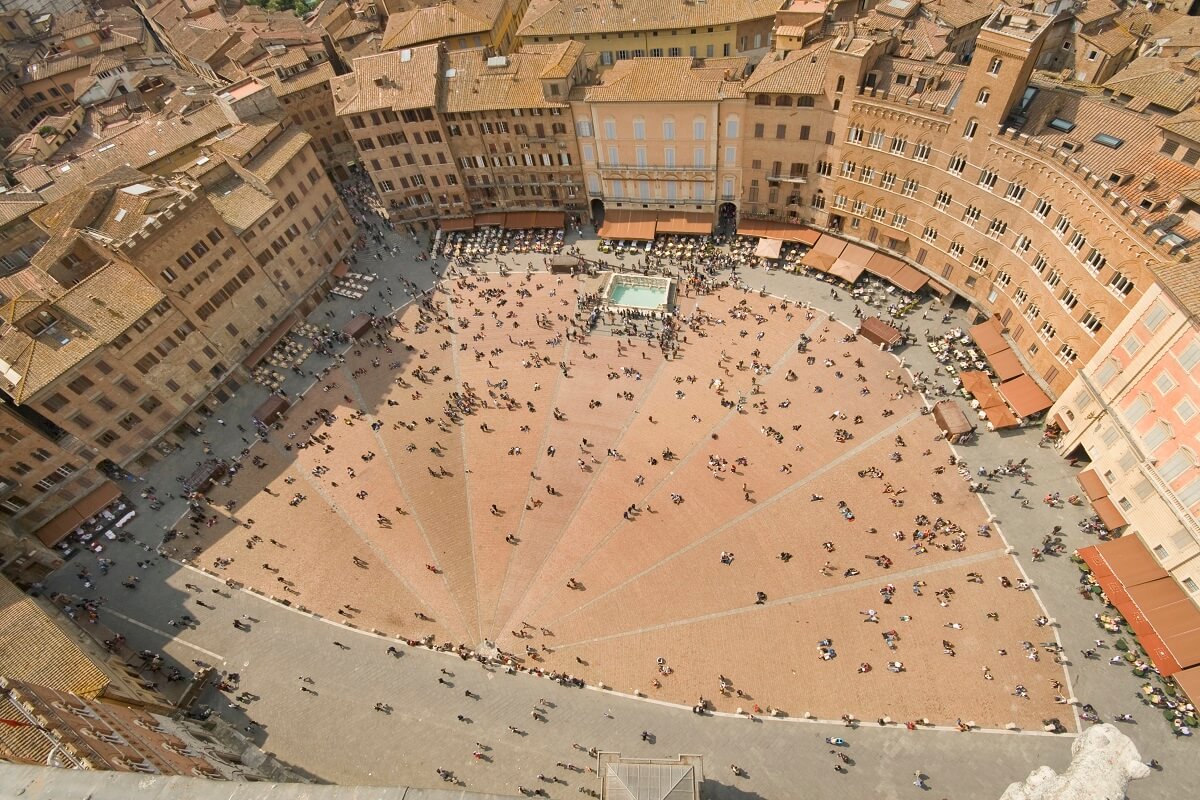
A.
x: 639, y: 80
x: 1097, y: 9
x: 105, y: 305
x: 317, y: 74
x: 1183, y: 32
x: 959, y: 13
x: 400, y: 79
x: 25, y: 743
x: 801, y: 72
x: 1113, y: 40
x: 1156, y: 80
x: 140, y: 145
x: 1136, y: 18
x: 34, y: 649
x: 442, y: 21
x: 474, y: 86
x: 942, y: 81
x: 356, y: 27
x: 1185, y: 124
x: 15, y: 205
x: 239, y: 203
x: 40, y: 70
x: 564, y: 17
x: 563, y: 58
x: 267, y: 164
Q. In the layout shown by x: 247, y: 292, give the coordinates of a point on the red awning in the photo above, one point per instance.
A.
x: 280, y: 331
x: 909, y: 278
x: 884, y: 266
x: 1109, y: 514
x: 620, y: 223
x: 987, y: 335
x: 549, y: 219
x: 939, y: 289
x: 774, y: 229
x: 693, y: 223
x: 1160, y: 612
x: 1189, y: 682
x: 78, y: 513
x: 1025, y: 396
x: 1093, y: 487
x: 458, y: 224
x: 519, y: 220
x: 1006, y: 364
x: 824, y: 253
x: 490, y: 218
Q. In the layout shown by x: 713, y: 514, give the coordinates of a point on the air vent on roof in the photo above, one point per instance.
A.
x: 497, y: 61
x: 1071, y: 146
x: 1147, y: 181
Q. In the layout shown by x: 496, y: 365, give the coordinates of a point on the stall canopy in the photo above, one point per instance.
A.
x: 1006, y: 364
x: 203, y: 475
x: 851, y: 263
x: 491, y: 218
x: 1109, y: 514
x: 774, y: 229
x: 695, y: 223
x: 1160, y: 612
x: 271, y: 408
x: 951, y: 420
x: 987, y: 335
x: 876, y: 331
x: 78, y: 513
x: 458, y: 224
x: 939, y: 289
x: 519, y: 220
x: 621, y: 223
x: 273, y: 338
x: 768, y: 248
x: 357, y: 326
x: 1025, y: 396
x: 824, y: 253
x: 549, y: 219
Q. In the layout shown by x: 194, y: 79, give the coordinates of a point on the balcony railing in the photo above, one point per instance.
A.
x: 658, y: 168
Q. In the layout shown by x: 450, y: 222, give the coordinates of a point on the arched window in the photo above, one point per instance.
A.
x: 731, y: 127
x: 783, y: 100
x: 762, y: 100
x: 669, y: 130
x: 971, y: 129
x: 639, y: 128
x: 806, y: 101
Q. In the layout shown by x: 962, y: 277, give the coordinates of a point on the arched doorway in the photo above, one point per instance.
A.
x: 597, y: 208
x: 727, y: 218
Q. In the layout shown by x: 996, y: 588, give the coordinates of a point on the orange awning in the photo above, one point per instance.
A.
x: 491, y: 218
x: 1006, y: 364
x: 78, y: 513
x: 979, y: 386
x: 1161, y: 613
x: 519, y: 220
x: 850, y: 264
x: 987, y: 336
x: 620, y: 223
x: 1025, y: 396
x: 280, y: 330
x: 1000, y: 416
x: 940, y: 289
x: 824, y: 253
x: 1093, y: 487
x: 341, y: 270
x: 458, y: 224
x: 884, y: 266
x: 1189, y: 681
x: 549, y: 219
x: 695, y: 223
x: 909, y: 278
x: 1109, y: 514
x: 774, y: 229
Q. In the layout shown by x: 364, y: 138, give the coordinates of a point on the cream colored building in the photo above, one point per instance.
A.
x: 663, y: 135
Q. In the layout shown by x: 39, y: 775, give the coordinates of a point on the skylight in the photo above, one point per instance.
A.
x: 1060, y: 124
x: 1108, y: 140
